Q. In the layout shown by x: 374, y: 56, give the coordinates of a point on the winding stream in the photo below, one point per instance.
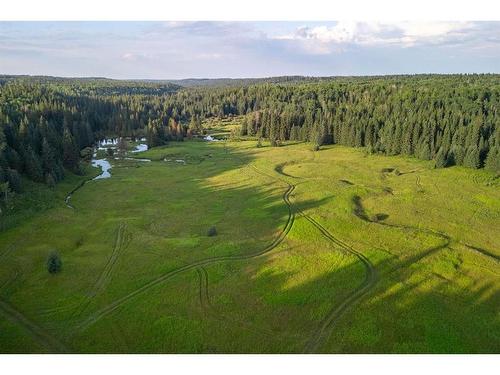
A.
x: 112, y: 143
x: 104, y: 164
x: 105, y: 167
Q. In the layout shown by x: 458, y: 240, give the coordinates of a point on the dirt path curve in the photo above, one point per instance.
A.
x: 204, y: 297
x: 121, y: 243
x: 371, y: 278
x: 203, y: 285
x: 37, y: 333
x: 168, y: 275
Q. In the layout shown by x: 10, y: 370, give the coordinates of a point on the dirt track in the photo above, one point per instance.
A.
x: 319, y: 335
x: 41, y: 336
x: 168, y: 275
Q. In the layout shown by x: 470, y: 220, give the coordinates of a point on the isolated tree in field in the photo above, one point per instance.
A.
x: 54, y: 263
x: 212, y: 231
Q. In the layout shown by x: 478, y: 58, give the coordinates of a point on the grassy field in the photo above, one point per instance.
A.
x: 331, y: 251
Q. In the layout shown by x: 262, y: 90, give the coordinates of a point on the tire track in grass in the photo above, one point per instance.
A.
x: 208, y: 308
x: 483, y: 252
x: 41, y: 336
x: 16, y: 270
x: 207, y: 261
x: 15, y: 275
x: 359, y: 212
x: 121, y: 243
x: 9, y: 249
x: 369, y: 282
x: 371, y: 278
x: 58, y: 309
x: 203, y: 284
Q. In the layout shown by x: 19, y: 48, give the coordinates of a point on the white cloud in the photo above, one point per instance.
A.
x: 221, y: 49
x: 129, y: 56
x: 209, y: 56
x: 324, y: 39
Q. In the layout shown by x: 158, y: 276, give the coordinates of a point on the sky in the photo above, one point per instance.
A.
x: 175, y: 50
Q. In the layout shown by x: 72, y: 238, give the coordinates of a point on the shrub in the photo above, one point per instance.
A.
x: 212, y: 232
x: 87, y: 153
x: 54, y: 263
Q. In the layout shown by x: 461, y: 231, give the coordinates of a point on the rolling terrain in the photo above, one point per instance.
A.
x: 333, y: 251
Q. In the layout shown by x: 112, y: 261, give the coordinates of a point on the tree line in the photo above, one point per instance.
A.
x: 453, y: 119
x: 47, y: 123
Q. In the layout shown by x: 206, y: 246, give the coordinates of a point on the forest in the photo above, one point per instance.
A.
x: 48, y: 124
x: 280, y: 215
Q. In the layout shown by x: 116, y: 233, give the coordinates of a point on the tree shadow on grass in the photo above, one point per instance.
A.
x: 412, y: 309
x: 249, y: 218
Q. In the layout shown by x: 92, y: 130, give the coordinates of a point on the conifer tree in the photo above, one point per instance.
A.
x: 70, y: 151
x: 492, y: 162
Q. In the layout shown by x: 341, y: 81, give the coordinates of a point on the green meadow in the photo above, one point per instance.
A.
x: 329, y: 251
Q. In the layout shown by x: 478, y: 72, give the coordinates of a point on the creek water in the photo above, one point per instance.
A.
x: 112, y: 143
x: 104, y: 164
x: 105, y: 167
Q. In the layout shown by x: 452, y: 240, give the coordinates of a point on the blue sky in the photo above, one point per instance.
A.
x: 170, y: 50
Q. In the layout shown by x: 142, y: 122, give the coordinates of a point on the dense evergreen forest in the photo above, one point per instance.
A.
x: 48, y: 124
x: 453, y: 119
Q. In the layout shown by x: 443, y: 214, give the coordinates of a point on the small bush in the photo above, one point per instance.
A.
x: 212, y: 232
x: 54, y: 263
x: 87, y: 153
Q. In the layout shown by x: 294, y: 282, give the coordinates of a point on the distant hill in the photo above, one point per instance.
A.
x: 232, y: 82
x: 98, y: 85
